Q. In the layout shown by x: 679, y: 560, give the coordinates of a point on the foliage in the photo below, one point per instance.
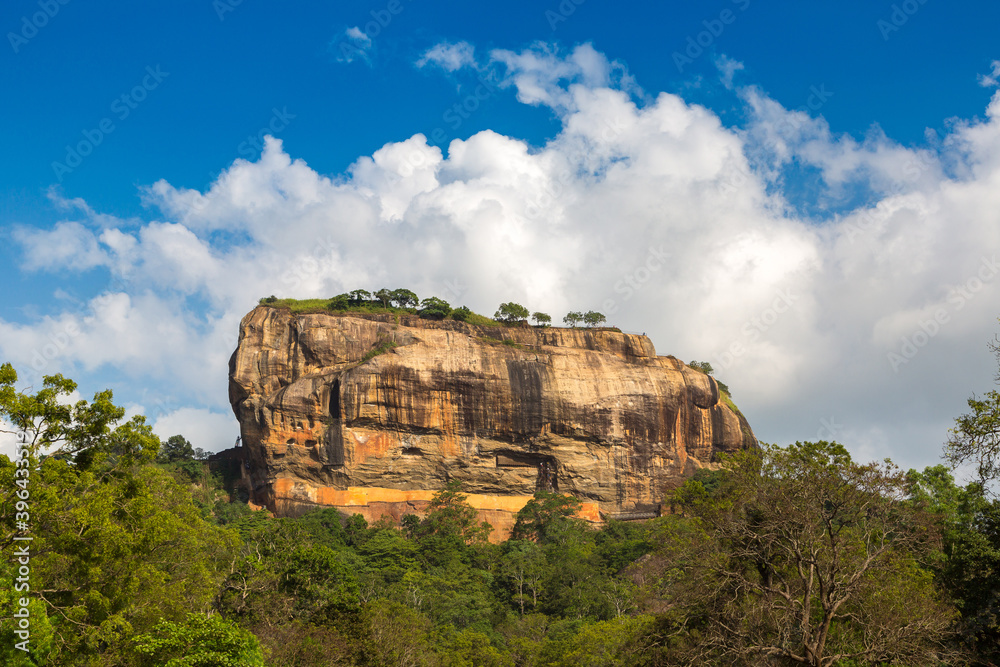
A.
x: 380, y: 348
x: 359, y: 296
x: 404, y: 298
x: 176, y: 448
x: 480, y: 320
x: 622, y: 641
x: 545, y: 517
x: 383, y: 296
x: 198, y: 641
x: 573, y: 318
x: 340, y: 302
x: 510, y: 313
x: 451, y: 524
x: 802, y: 555
x: 116, y: 541
x: 592, y: 318
x: 434, y: 308
x: 524, y: 568
x: 702, y: 366
x: 787, y: 555
x: 541, y: 319
x: 976, y: 437
x: 969, y: 565
x: 86, y: 434
x: 461, y: 314
x: 282, y: 575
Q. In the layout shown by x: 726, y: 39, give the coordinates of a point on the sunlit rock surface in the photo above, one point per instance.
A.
x: 505, y: 410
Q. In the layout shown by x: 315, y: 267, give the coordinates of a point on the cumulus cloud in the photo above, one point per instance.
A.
x: 449, y: 57
x: 541, y: 75
x: 865, y: 324
x: 69, y: 245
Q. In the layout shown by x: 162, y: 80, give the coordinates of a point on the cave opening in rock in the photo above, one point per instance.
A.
x: 547, y: 468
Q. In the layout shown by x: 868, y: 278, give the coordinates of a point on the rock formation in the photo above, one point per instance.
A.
x: 373, y: 413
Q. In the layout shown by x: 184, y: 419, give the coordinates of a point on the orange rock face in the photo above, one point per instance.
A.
x: 505, y: 410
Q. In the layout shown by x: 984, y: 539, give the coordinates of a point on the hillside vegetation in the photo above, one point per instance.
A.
x: 785, y: 555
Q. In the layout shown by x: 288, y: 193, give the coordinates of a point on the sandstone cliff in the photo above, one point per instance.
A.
x: 373, y: 413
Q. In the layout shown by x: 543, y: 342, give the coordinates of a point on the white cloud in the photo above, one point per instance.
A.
x: 352, y: 44
x: 449, y: 57
x: 727, y: 69
x: 542, y: 76
x: 69, y: 245
x: 8, y: 440
x: 648, y: 209
x: 991, y: 80
x: 211, y: 431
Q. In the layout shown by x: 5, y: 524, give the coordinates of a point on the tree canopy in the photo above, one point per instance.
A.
x: 786, y: 555
x: 511, y: 312
x: 592, y: 318
x: 434, y: 307
x: 541, y: 319
x: 802, y: 555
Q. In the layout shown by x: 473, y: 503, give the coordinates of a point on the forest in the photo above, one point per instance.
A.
x: 125, y: 550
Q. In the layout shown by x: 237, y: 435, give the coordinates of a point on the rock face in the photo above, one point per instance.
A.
x: 374, y: 413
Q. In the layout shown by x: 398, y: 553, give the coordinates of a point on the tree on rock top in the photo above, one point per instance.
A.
x: 359, y: 296
x: 434, y: 308
x: 384, y: 297
x: 404, y: 298
x: 511, y: 312
x: 541, y: 319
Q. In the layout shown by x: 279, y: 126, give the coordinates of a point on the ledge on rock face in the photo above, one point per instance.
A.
x: 374, y: 413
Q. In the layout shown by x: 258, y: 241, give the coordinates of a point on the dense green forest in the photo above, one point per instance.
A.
x: 787, y: 555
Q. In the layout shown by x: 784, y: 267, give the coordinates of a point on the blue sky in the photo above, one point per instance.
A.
x: 822, y: 176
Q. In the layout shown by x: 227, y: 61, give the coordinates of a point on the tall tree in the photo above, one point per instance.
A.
x: 384, y: 296
x: 804, y: 557
x: 573, y: 318
x: 176, y: 448
x: 511, y: 312
x: 197, y: 641
x: 404, y: 298
x: 435, y: 308
x: 117, y: 544
x: 541, y: 319
x: 970, y: 565
x: 359, y: 296
x: 592, y: 318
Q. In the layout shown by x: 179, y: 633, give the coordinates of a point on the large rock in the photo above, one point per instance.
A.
x: 374, y: 413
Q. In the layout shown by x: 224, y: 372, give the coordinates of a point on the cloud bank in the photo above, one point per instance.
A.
x: 861, y: 315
